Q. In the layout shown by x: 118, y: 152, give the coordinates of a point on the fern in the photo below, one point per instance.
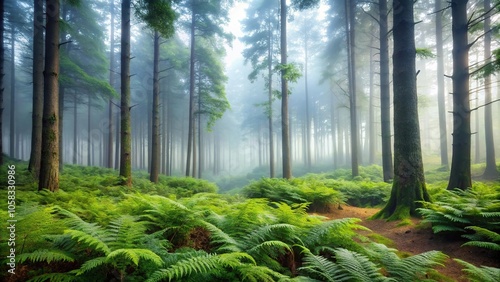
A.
x: 407, y: 269
x: 483, y: 238
x: 342, y: 228
x: 54, y: 277
x: 46, y: 255
x: 225, y: 242
x: 479, y: 274
x: 356, y: 267
x: 91, y: 264
x: 89, y: 240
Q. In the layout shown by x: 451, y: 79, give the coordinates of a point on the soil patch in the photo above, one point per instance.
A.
x: 415, y: 239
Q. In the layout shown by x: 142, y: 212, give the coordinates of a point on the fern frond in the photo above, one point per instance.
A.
x: 91, y: 264
x: 219, y: 237
x: 480, y: 274
x: 256, y: 273
x: 54, y: 277
x: 318, y: 266
x: 88, y: 239
x: 339, y: 226
x: 125, y: 232
x: 491, y: 235
x: 353, y: 266
x: 134, y: 255
x: 271, y: 248
x: 46, y: 256
x: 281, y: 231
x: 442, y: 228
x: 75, y: 222
x: 482, y: 244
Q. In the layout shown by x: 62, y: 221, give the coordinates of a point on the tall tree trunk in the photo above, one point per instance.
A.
x: 155, y: 142
x: 125, y: 142
x: 49, y: 166
x: 37, y: 112
x: 75, y: 133
x: 191, y: 95
x: 308, y: 118
x: 117, y: 138
x: 285, y: 122
x: 491, y: 171
x: 89, y: 130
x: 351, y: 67
x: 443, y: 135
x: 371, y: 107
x: 109, y: 152
x: 270, y: 97
x: 2, y: 74
x: 408, y: 187
x: 460, y: 176
x: 12, y: 117
x: 385, y: 94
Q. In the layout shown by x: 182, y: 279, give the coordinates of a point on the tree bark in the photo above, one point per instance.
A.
x: 49, y: 166
x: 491, y: 171
x: 385, y: 94
x: 126, y: 142
x: 2, y: 74
x: 155, y: 142
x: 12, y: 116
x: 350, y: 7
x: 37, y: 112
x: 191, y: 95
x: 75, y: 132
x: 409, y: 183
x: 285, y: 123
x: 109, y: 152
x: 460, y: 176
x: 270, y: 97
x: 443, y: 135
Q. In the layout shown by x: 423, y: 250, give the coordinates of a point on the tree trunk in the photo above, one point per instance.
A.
x: 285, y: 123
x: 270, y: 98
x: 89, y: 130
x: 49, y: 166
x: 12, y: 117
x: 491, y: 171
x: 109, y: 152
x: 191, y: 95
x: 350, y: 7
x: 36, y: 121
x: 385, y: 94
x: 308, y: 118
x: 126, y: 142
x: 460, y: 176
x: 409, y: 183
x: 75, y: 133
x: 155, y: 142
x: 443, y: 135
x: 2, y: 74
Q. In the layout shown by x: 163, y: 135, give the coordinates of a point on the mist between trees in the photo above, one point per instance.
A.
x: 209, y: 104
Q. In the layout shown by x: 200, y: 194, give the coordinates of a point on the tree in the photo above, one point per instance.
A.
x: 490, y: 171
x: 206, y: 20
x: 350, y: 8
x: 109, y: 155
x: 125, y: 136
x: 260, y: 29
x: 285, y: 122
x: 409, y: 183
x: 49, y: 167
x: 36, y: 132
x: 443, y: 136
x: 160, y: 17
x: 1, y: 78
x: 460, y: 175
x: 385, y: 93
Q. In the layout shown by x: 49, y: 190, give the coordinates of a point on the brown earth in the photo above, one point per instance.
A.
x: 417, y: 239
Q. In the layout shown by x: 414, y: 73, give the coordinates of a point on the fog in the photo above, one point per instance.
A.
x: 235, y: 141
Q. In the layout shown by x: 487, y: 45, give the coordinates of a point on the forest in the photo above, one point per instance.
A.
x: 250, y: 140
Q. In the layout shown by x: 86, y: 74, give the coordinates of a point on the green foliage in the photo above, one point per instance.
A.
x: 316, y: 193
x: 425, y: 53
x: 455, y: 210
x: 159, y: 15
x: 479, y: 274
x: 483, y: 238
x: 290, y: 71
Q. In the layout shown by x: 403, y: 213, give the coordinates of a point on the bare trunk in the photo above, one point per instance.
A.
x: 491, y: 171
x: 460, y: 176
x: 270, y: 99
x: 36, y: 123
x: 12, y: 117
x: 109, y: 152
x: 155, y: 142
x: 409, y: 183
x: 49, y: 167
x: 351, y: 68
x: 2, y: 61
x: 126, y: 142
x: 385, y: 94
x: 191, y: 96
x: 285, y: 123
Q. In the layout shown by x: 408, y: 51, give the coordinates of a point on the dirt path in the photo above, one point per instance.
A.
x: 415, y: 240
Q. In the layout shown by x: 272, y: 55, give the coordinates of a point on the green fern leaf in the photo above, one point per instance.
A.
x: 480, y: 274
x: 485, y: 245
x: 134, y: 255
x: 88, y: 239
x: 219, y: 237
x: 54, y: 277
x: 46, y: 256
x: 271, y: 248
x: 91, y: 264
x: 356, y: 267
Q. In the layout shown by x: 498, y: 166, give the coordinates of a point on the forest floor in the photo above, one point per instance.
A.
x: 416, y: 239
